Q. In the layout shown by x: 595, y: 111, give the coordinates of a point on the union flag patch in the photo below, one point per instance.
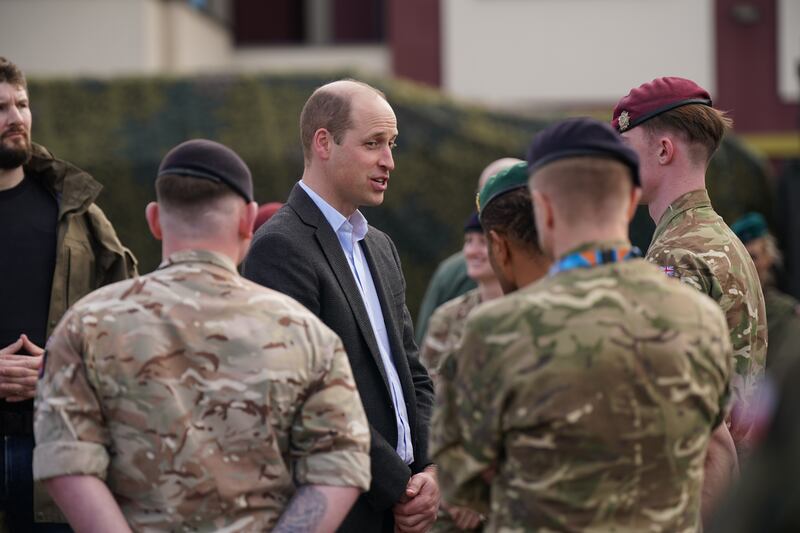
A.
x: 669, y: 270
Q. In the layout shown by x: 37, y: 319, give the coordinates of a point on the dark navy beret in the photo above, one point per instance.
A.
x: 653, y: 98
x: 577, y: 137
x: 209, y: 160
x: 472, y: 223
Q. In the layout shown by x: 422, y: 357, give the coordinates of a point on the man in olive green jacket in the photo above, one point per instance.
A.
x: 57, y: 246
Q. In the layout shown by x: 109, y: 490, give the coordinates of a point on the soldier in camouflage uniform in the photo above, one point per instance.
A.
x: 447, y: 322
x: 450, y: 279
x: 783, y: 310
x: 585, y: 401
x: 197, y: 399
x: 670, y: 123
x: 506, y: 216
x: 445, y: 329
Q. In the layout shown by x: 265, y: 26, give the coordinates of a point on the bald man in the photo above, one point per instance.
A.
x: 320, y: 250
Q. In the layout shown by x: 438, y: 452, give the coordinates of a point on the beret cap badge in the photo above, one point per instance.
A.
x: 624, y: 121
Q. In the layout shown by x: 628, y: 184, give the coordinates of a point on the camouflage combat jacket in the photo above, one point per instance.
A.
x: 445, y: 329
x: 693, y: 244
x: 587, y: 400
x: 201, y: 399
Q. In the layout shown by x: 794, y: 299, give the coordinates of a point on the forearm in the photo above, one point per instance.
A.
x: 87, y: 503
x: 317, y: 509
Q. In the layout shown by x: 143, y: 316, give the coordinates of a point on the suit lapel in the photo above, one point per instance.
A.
x: 332, y: 249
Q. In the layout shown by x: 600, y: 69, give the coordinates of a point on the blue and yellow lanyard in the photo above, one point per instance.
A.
x: 594, y: 257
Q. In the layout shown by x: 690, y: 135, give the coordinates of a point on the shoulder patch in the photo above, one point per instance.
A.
x: 669, y: 270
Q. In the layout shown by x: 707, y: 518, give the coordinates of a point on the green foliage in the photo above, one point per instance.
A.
x: 118, y: 130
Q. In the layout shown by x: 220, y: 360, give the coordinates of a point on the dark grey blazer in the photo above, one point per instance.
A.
x: 297, y: 253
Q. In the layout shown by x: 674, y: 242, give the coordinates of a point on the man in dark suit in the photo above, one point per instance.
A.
x: 319, y: 249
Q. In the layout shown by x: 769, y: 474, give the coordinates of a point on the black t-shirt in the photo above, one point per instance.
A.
x: 28, y: 220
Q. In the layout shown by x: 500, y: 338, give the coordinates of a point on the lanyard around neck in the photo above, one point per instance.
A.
x: 594, y: 257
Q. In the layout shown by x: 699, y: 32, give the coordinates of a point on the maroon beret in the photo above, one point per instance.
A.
x: 656, y: 97
x: 265, y: 212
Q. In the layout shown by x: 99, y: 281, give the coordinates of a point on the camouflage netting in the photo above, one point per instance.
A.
x: 119, y: 130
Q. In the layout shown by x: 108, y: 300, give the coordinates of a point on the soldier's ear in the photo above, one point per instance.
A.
x: 498, y: 247
x: 247, y: 220
x: 542, y: 209
x: 666, y: 150
x: 153, y: 217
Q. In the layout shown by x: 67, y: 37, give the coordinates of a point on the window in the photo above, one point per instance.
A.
x: 301, y: 22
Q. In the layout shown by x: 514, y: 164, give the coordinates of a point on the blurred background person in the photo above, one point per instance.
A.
x: 450, y: 279
x: 783, y: 310
x: 447, y: 322
x: 265, y: 212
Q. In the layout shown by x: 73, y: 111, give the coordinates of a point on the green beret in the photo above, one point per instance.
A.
x: 504, y: 181
x: 751, y: 226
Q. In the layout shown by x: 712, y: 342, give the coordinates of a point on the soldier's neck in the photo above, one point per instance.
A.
x: 568, y: 241
x: 11, y: 178
x: 171, y: 244
x: 489, y: 290
x: 672, y: 188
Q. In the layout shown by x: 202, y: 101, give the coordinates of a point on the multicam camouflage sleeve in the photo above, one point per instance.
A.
x: 693, y: 244
x: 71, y: 435
x: 330, y: 437
x: 465, y: 431
x: 689, y: 268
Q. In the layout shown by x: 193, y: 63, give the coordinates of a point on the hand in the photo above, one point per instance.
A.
x: 416, y: 511
x: 19, y: 373
x: 463, y: 517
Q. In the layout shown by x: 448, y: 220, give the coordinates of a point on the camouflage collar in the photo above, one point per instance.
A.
x: 685, y: 202
x: 199, y: 256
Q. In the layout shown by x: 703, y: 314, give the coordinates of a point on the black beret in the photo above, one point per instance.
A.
x: 578, y: 137
x: 209, y: 160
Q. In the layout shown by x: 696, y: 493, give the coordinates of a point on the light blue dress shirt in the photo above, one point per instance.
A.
x: 350, y: 231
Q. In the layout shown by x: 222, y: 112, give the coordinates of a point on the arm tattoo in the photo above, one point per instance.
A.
x: 304, y: 512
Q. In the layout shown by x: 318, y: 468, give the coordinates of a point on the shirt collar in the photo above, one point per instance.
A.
x: 199, y: 256
x: 357, y: 220
x: 690, y: 200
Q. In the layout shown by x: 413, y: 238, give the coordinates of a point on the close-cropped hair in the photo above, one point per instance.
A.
x: 329, y: 109
x: 511, y: 214
x: 11, y: 74
x: 186, y: 193
x: 700, y: 125
x: 586, y: 189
